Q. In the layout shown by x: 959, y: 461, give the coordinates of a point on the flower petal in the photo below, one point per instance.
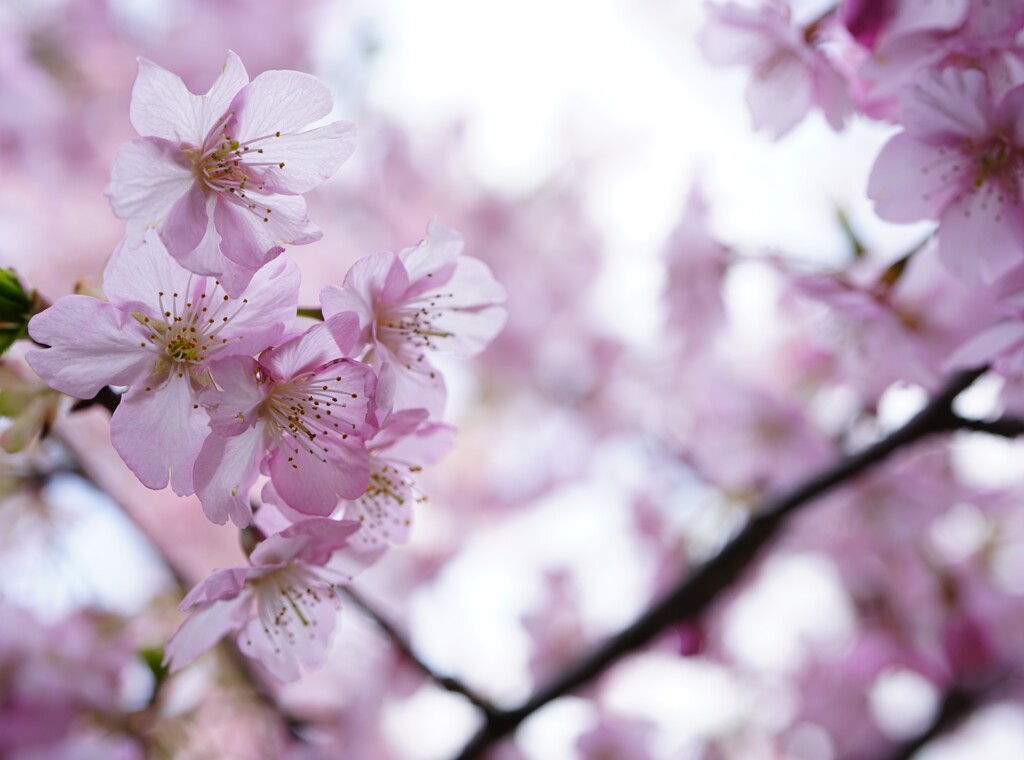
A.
x: 160, y: 430
x: 912, y: 180
x: 162, y: 105
x: 308, y: 158
x: 248, y: 240
x: 280, y: 101
x: 137, y: 275
x: 980, y: 237
x: 147, y: 179
x: 225, y: 472
x: 92, y: 344
x: 204, y: 628
x: 950, y: 104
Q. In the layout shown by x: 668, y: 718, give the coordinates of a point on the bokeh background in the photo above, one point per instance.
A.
x: 565, y: 140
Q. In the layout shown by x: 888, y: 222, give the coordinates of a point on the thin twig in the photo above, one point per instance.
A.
x: 695, y: 592
x: 402, y: 645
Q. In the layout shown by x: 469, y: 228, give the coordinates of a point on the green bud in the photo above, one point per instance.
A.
x: 15, y: 309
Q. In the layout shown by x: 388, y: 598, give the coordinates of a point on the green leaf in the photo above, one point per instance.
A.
x: 154, y: 659
x: 15, y: 309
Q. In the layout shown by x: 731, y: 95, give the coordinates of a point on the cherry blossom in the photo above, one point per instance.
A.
x: 406, y: 443
x: 790, y: 75
x: 157, y: 333
x: 427, y: 298
x: 220, y: 175
x: 696, y: 265
x: 284, y: 604
x: 300, y: 412
x: 958, y: 161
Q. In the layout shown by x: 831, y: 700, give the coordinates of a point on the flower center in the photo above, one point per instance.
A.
x: 188, y: 328
x: 411, y: 328
x: 996, y: 159
x: 305, y: 414
x: 232, y: 168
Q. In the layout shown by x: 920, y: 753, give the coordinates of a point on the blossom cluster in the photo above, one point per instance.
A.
x: 950, y: 75
x: 224, y: 388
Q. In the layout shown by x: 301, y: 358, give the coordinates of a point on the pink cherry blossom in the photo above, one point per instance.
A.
x: 896, y: 323
x: 301, y: 413
x: 789, y: 73
x: 157, y: 332
x: 696, y: 266
x: 958, y: 161
x: 405, y: 443
x: 283, y: 605
x: 220, y: 175
x: 423, y: 299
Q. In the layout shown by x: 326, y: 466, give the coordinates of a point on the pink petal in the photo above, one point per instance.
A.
x: 424, y: 447
x: 159, y: 431
x: 385, y: 520
x: 225, y: 472
x: 280, y: 101
x: 234, y: 403
x: 309, y: 158
x: 79, y: 362
x: 204, y: 628
x: 980, y: 237
x: 780, y: 97
x: 335, y: 300
x: 311, y: 541
x: 467, y: 333
x: 948, y: 104
x: 912, y: 180
x: 220, y: 585
x: 136, y: 275
x: 441, y: 246
x: 162, y: 105
x: 735, y: 35
x: 1011, y: 112
x: 207, y: 259
x: 378, y: 279
x: 283, y: 652
x: 981, y: 349
x: 312, y: 349
x: 312, y: 485
x: 187, y: 223
x: 273, y: 297
x: 927, y: 15
x: 417, y: 384
x: 249, y: 241
x: 345, y: 330
x: 147, y: 179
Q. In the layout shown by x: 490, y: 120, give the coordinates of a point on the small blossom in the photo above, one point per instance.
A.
x: 220, y: 175
x: 789, y: 73
x: 405, y: 443
x: 300, y: 413
x: 284, y: 604
x: 157, y: 332
x: 959, y: 161
x: 427, y: 298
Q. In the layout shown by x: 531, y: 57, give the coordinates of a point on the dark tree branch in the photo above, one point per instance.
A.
x: 958, y: 703
x: 1005, y: 427
x: 402, y: 645
x: 695, y: 592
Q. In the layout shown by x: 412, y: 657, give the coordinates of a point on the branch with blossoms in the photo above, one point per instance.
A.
x: 198, y: 324
x: 307, y: 426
